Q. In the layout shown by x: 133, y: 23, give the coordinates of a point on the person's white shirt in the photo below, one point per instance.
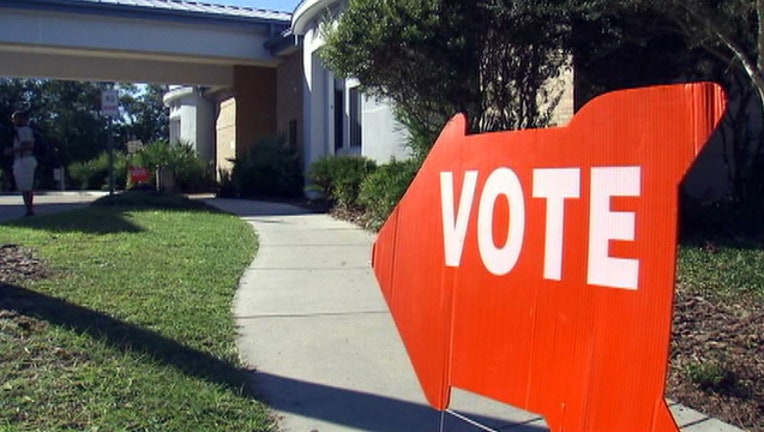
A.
x: 23, y: 134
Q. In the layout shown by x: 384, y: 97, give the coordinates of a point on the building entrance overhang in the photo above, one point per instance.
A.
x: 121, y: 40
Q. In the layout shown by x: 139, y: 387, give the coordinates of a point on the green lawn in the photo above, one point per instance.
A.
x: 727, y: 269
x: 133, y: 331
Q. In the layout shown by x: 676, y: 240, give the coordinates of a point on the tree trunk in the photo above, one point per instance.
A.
x: 759, y: 81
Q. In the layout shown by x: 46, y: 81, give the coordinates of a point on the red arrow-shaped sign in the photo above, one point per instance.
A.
x: 537, y: 267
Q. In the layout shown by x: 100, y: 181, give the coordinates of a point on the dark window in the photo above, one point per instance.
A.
x: 293, y: 133
x: 355, y: 117
x: 338, y: 118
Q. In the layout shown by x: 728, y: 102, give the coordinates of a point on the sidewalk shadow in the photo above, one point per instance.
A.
x: 72, y: 218
x: 336, y: 405
x: 9, y: 212
x: 366, y: 411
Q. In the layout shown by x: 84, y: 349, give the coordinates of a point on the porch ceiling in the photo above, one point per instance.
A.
x: 56, y: 42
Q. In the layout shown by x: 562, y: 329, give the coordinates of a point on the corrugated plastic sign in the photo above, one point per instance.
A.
x: 536, y: 267
x: 138, y: 174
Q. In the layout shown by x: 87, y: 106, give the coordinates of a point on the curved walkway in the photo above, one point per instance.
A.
x: 328, y: 358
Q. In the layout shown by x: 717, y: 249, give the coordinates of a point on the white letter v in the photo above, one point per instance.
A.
x: 455, y: 228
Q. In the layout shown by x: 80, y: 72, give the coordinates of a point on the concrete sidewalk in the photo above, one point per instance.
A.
x: 313, y: 323
x: 12, y: 205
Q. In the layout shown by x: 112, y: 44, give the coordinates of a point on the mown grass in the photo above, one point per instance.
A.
x: 133, y: 331
x: 722, y: 269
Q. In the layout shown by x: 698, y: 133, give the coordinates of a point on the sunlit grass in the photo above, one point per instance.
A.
x: 134, y: 330
x: 733, y: 270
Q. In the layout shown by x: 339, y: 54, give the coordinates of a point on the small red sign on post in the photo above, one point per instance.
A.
x: 138, y: 174
x: 536, y: 267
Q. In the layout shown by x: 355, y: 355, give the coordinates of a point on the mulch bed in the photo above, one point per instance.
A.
x: 717, y: 359
x: 18, y: 264
x: 717, y: 352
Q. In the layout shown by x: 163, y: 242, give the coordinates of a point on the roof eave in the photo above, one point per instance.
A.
x: 138, y: 12
x: 284, y: 44
x: 306, y: 12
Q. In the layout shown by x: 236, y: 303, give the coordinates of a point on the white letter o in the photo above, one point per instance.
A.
x: 500, y: 261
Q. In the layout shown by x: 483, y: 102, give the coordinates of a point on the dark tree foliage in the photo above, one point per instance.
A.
x: 646, y: 42
x: 14, y: 96
x: 67, y: 115
x: 146, y: 117
x: 730, y: 30
x: 523, y: 48
x: 435, y: 58
x: 411, y: 52
x: 631, y: 47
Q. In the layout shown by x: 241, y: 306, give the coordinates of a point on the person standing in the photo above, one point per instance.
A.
x: 24, y: 162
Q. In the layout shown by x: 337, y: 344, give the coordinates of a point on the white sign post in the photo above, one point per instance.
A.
x: 110, y: 109
x: 109, y: 103
x: 134, y: 145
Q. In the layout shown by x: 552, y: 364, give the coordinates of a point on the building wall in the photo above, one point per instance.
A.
x: 327, y: 118
x: 706, y: 180
x: 187, y: 113
x: 289, y: 99
x: 225, y: 128
x: 175, y: 123
x: 255, y: 93
x: 564, y: 110
x: 192, y: 120
x: 316, y: 107
x: 182, y: 112
x: 245, y: 115
x: 383, y: 137
x: 204, y: 138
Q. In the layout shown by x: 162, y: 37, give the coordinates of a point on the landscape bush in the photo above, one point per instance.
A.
x: 710, y: 375
x: 94, y: 173
x: 270, y: 169
x: 339, y: 178
x: 191, y: 173
x: 382, y: 189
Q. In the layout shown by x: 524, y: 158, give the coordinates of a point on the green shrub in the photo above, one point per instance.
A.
x: 381, y: 191
x: 94, y: 174
x: 271, y: 168
x: 420, y: 133
x: 226, y: 188
x: 191, y: 173
x: 710, y: 375
x: 339, y: 178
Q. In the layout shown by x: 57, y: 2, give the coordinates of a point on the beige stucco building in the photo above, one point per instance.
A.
x: 298, y: 98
